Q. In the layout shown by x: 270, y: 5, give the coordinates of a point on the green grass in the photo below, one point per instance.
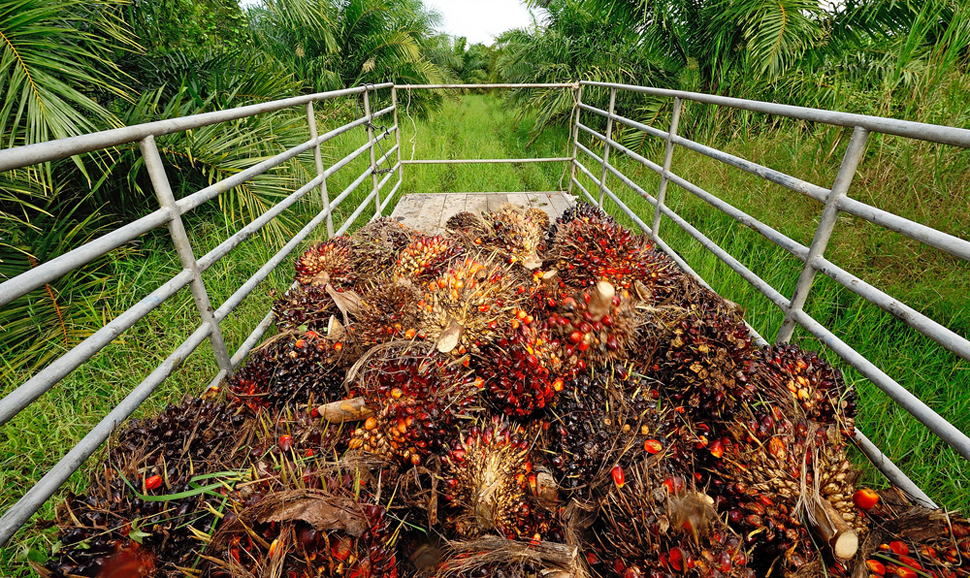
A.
x: 919, y: 181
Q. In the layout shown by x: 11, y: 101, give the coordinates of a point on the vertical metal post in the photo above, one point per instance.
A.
x: 575, y: 137
x: 397, y: 137
x: 373, y: 159
x: 664, y: 178
x: 607, y: 146
x: 163, y: 191
x: 853, y: 154
x: 311, y: 120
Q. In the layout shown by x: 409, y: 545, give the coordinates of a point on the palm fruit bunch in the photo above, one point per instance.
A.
x: 520, y: 369
x: 471, y: 304
x: 426, y: 257
x: 306, y: 306
x: 390, y: 311
x: 702, y: 356
x: 463, y: 222
x: 595, y: 326
x: 417, y: 396
x: 377, y: 245
x: 119, y: 525
x: 514, y: 234
x: 652, y: 521
x: 909, y: 541
x: 291, y: 368
x: 589, y: 248
x: 770, y: 472
x: 486, y: 478
x: 599, y: 421
x: 331, y: 533
x: 798, y: 377
x: 326, y: 263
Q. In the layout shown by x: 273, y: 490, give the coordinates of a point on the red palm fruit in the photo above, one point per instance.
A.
x: 652, y: 446
x: 341, y: 548
x: 899, y: 548
x: 618, y: 477
x: 717, y: 449
x: 876, y: 567
x: 905, y: 572
x: 153, y: 482
x: 285, y: 442
x: 865, y: 498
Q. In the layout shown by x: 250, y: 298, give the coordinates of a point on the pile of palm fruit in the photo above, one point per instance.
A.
x: 514, y: 398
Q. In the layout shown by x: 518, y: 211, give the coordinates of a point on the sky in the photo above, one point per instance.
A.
x: 480, y: 20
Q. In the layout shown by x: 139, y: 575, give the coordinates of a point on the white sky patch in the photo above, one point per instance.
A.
x: 480, y: 21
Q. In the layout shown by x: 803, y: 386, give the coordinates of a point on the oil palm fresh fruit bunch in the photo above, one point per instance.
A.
x: 378, y: 244
x: 794, y: 376
x: 486, y: 483
x: 908, y: 540
x: 292, y: 368
x: 702, y: 356
x: 337, y: 532
x: 390, y: 310
x: 654, y: 521
x: 595, y: 326
x: 589, y: 249
x: 463, y: 222
x: 426, y: 257
x: 125, y: 521
x: 601, y: 420
x: 521, y: 369
x: 777, y: 477
x: 472, y: 304
x: 417, y: 395
x: 514, y: 234
x: 307, y: 306
x: 326, y: 263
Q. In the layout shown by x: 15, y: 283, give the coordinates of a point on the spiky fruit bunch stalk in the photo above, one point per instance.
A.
x: 471, y: 304
x: 291, y: 369
x: 586, y: 251
x: 390, y: 311
x: 426, y: 257
x: 418, y: 395
x: 378, y: 244
x: 325, y: 263
x: 595, y: 326
x: 600, y: 421
x: 306, y: 306
x: 520, y: 369
x: 771, y: 471
x: 797, y: 377
x: 486, y: 483
x: 654, y: 521
x: 703, y: 358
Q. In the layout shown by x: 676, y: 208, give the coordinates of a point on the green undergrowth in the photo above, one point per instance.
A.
x: 919, y: 181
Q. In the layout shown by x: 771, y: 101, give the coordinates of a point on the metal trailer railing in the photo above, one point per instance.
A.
x: 170, y: 211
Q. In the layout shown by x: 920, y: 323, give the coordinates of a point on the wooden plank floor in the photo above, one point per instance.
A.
x: 429, y: 212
